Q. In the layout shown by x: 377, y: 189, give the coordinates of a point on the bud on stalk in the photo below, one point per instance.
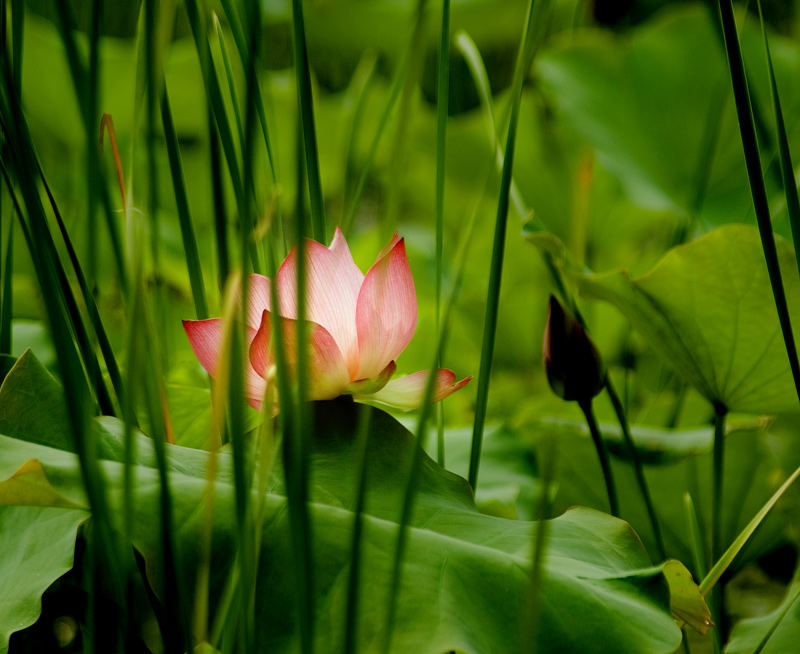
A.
x: 574, y: 367
x: 576, y: 372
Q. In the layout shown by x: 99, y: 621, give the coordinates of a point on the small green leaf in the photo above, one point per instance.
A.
x: 686, y: 602
x: 32, y: 405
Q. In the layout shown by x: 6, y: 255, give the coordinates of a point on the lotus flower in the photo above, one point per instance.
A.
x: 357, y: 327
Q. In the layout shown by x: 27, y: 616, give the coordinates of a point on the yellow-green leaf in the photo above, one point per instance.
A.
x: 685, y: 600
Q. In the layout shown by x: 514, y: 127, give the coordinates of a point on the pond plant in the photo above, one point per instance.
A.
x: 589, y: 207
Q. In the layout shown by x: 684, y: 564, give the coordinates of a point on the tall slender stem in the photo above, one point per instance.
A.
x: 442, y: 104
x: 602, y: 453
x: 530, y: 38
x: 637, y: 466
x: 717, y: 481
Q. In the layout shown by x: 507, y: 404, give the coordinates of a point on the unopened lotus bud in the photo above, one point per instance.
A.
x: 574, y: 367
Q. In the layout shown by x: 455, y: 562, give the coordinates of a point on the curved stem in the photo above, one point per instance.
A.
x: 602, y: 453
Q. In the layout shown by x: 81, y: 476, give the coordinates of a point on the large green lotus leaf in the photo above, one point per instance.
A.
x: 675, y: 462
x: 751, y: 475
x: 707, y: 308
x: 33, y: 409
x: 509, y: 474
x: 465, y: 576
x: 747, y: 635
x: 37, y: 545
x: 654, y: 104
x: 190, y: 413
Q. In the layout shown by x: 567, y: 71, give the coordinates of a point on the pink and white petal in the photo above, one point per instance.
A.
x: 205, y: 337
x: 333, y: 283
x: 388, y: 247
x: 259, y: 351
x: 327, y: 367
x: 258, y: 298
x: 408, y: 392
x: 327, y: 371
x: 341, y: 250
x: 386, y: 314
x: 254, y: 384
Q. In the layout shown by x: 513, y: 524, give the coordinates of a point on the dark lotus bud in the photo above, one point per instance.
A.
x: 572, y: 363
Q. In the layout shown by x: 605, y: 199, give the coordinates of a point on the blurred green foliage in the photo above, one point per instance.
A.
x: 627, y: 146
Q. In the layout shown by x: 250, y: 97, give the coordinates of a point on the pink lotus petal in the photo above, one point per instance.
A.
x: 333, y: 282
x: 205, y: 337
x: 327, y: 371
x: 408, y: 392
x: 260, y: 356
x: 386, y: 315
x: 258, y: 298
x: 388, y: 247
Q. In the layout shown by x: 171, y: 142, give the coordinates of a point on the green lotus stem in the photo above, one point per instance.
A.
x: 602, y: 453
x: 442, y: 104
x: 717, y: 481
x: 718, y: 599
x: 637, y: 466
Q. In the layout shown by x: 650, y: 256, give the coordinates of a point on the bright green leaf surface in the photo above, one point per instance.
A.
x: 707, y: 309
x: 29, y: 486
x: 32, y: 408
x: 32, y: 405
x: 688, y: 604
x: 190, y: 412
x: 465, y: 577
x: 37, y: 546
